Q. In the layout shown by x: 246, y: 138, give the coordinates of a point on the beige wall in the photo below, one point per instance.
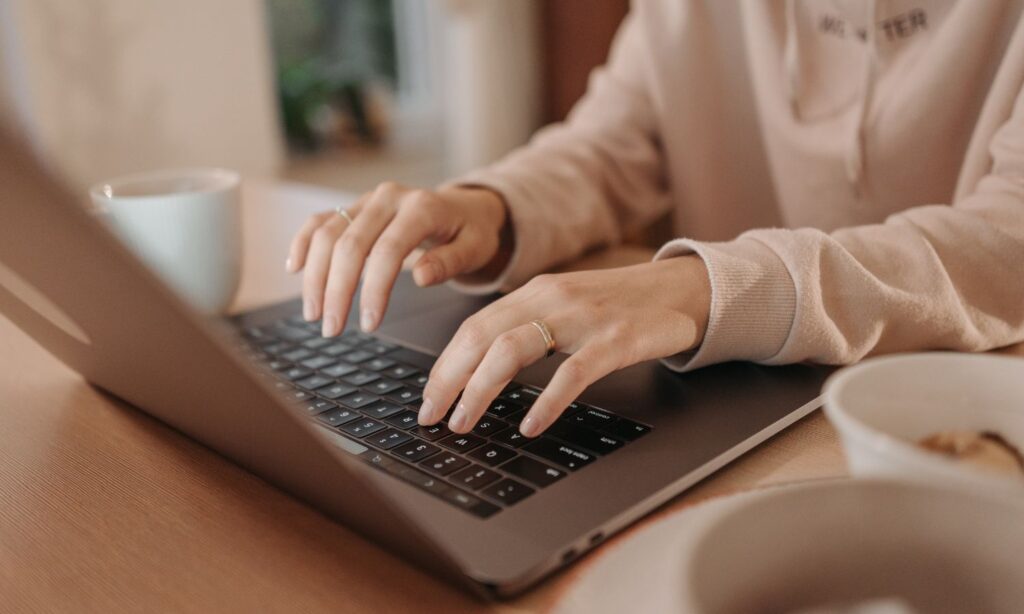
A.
x: 116, y: 86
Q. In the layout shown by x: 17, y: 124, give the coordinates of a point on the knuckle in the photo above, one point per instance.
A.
x: 322, y: 235
x: 471, y: 334
x: 350, y: 243
x: 506, y: 345
x: 387, y: 248
x: 574, y: 369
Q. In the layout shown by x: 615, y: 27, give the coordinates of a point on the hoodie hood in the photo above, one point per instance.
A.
x: 833, y: 59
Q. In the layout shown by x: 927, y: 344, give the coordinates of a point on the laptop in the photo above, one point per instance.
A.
x: 333, y: 422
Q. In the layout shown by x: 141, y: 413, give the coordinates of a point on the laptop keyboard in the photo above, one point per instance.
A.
x: 369, y: 391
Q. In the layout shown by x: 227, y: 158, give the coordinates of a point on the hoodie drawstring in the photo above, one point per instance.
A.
x: 856, y: 156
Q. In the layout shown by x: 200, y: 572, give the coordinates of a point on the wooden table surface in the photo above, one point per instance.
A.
x: 103, y: 508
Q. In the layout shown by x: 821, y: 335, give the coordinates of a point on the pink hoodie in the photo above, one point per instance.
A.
x: 882, y: 169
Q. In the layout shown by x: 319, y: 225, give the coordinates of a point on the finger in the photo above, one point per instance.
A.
x: 347, y: 260
x: 317, y: 263
x: 510, y: 352
x: 441, y: 263
x: 591, y: 363
x: 300, y: 242
x: 464, y: 352
x: 410, y: 227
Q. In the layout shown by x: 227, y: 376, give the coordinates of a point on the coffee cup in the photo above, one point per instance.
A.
x: 184, y: 224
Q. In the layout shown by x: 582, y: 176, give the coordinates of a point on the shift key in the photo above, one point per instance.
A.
x: 561, y: 454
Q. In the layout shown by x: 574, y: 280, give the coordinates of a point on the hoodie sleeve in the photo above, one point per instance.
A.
x: 582, y: 183
x: 931, y: 277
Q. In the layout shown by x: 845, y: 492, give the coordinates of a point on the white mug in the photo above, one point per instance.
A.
x: 185, y: 225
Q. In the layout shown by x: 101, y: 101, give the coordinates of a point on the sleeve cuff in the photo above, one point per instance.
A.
x: 753, y: 302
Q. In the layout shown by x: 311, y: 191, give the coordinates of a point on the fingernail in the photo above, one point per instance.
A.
x: 368, y: 320
x: 330, y: 327
x: 458, y: 419
x: 288, y: 265
x: 309, y: 310
x: 530, y: 427
x: 426, y: 412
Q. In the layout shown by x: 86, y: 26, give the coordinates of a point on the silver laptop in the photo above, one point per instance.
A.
x: 333, y: 421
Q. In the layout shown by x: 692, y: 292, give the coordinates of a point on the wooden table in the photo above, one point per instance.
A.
x: 105, y: 509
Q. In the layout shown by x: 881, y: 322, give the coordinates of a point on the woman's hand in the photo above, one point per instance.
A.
x: 606, y: 320
x: 464, y: 224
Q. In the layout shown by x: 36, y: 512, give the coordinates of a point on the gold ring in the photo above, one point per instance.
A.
x: 343, y: 212
x: 549, y: 339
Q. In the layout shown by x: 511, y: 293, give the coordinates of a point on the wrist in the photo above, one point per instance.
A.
x: 689, y: 293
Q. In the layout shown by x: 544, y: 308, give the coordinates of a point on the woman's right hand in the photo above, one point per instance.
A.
x: 464, y: 224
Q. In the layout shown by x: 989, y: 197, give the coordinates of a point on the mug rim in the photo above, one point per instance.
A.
x: 220, y: 179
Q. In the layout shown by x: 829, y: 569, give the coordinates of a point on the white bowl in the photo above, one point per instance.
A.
x: 834, y: 544
x: 881, y: 406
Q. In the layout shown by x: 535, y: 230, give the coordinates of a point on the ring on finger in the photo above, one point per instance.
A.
x: 549, y: 337
x: 343, y: 212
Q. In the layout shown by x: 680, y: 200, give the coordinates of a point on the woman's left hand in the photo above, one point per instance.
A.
x: 606, y: 319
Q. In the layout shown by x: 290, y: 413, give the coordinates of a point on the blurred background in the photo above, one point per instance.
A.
x: 340, y: 93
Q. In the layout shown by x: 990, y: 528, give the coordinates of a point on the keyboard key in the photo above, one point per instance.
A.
x: 488, y: 426
x: 415, y: 451
x: 473, y: 477
x: 362, y: 428
x: 388, y: 439
x: 627, y: 429
x: 443, y: 464
x: 314, y: 382
x: 357, y: 356
x: 318, y: 362
x: 297, y: 355
x: 383, y: 410
x: 584, y: 437
x: 355, y: 337
x: 404, y: 420
x: 277, y: 348
x: 289, y: 333
x: 508, y: 491
x: 593, y: 417
x: 405, y: 396
x: 361, y: 378
x: 380, y: 347
x: 339, y: 370
x: 502, y: 408
x: 381, y: 461
x: 336, y: 349
x: 559, y: 453
x: 316, y: 343
x: 319, y: 406
x: 432, y: 433
x: 383, y: 386
x: 414, y: 358
x: 358, y: 400
x: 492, y: 454
x: 296, y: 373
x: 533, y: 471
x: 338, y: 417
x: 279, y: 365
x: 299, y: 396
x: 511, y: 437
x: 461, y: 443
x: 335, y: 391
x: 470, y: 503
x: 378, y: 364
x: 521, y: 396
x: 401, y: 372
x: 419, y: 381
x: 422, y: 480
x: 516, y: 417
